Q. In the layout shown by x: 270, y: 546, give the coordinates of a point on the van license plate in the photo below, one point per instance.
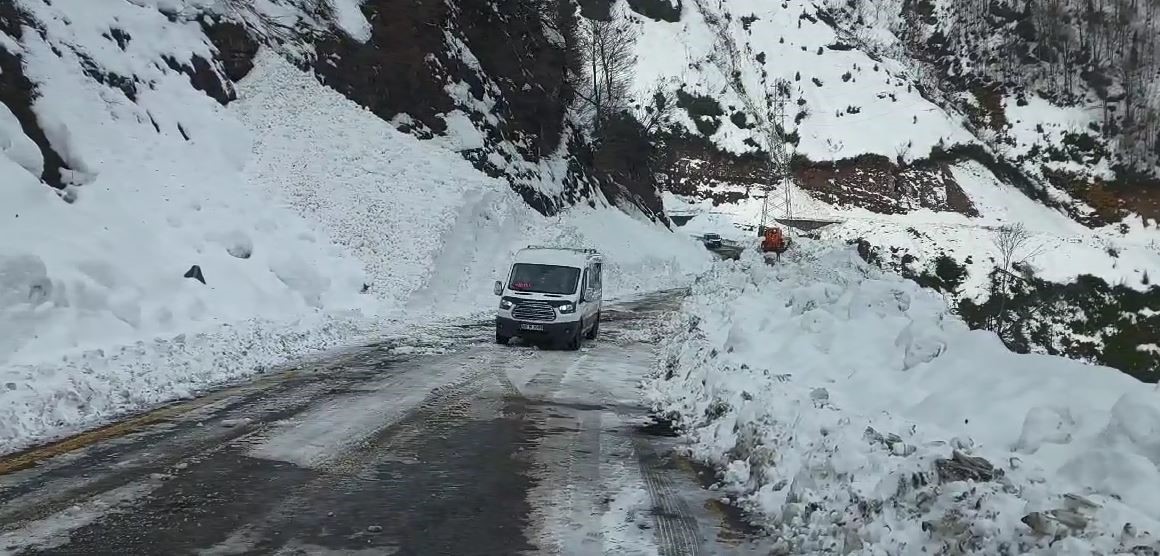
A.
x: 536, y: 327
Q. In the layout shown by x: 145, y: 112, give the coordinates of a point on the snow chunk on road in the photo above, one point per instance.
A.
x: 833, y: 398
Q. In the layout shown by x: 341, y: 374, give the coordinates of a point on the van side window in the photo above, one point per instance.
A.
x: 584, y: 282
x: 597, y: 281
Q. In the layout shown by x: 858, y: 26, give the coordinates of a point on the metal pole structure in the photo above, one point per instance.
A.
x: 778, y: 164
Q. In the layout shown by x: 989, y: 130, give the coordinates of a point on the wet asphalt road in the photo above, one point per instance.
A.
x: 487, y: 450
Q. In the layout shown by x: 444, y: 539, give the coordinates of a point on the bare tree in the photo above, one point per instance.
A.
x: 902, y: 154
x: 608, y: 49
x: 1015, y: 246
x: 656, y: 111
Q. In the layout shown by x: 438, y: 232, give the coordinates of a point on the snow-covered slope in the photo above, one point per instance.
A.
x: 849, y: 103
x: 414, y: 213
x: 313, y: 222
x: 833, y: 399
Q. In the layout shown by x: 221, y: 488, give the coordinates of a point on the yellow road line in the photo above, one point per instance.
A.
x: 28, y: 458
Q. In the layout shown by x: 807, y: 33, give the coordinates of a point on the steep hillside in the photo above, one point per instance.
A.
x: 903, y: 165
x: 1068, y: 90
x: 491, y: 78
x: 862, y: 134
x: 892, y: 91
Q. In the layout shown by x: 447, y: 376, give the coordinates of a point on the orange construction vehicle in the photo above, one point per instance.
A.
x: 773, y: 241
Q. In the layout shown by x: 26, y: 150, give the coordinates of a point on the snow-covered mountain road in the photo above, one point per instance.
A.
x: 487, y: 450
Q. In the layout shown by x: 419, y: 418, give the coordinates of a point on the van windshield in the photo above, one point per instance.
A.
x: 544, y: 278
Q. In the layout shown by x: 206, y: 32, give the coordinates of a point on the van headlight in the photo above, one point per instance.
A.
x: 506, y: 304
x: 567, y: 308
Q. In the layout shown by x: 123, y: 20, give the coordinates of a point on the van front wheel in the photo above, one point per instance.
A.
x: 500, y: 338
x: 573, y: 343
x: 591, y: 335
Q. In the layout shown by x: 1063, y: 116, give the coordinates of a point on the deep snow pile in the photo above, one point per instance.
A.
x: 96, y: 317
x: 832, y: 397
x: 107, y: 268
x: 314, y: 224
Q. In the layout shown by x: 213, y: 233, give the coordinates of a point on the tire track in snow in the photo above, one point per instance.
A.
x: 677, y: 530
x: 567, y: 491
x: 601, y: 488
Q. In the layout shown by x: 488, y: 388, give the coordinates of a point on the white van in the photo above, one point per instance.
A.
x: 551, y: 293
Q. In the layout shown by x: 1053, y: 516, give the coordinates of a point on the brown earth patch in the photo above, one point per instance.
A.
x: 1112, y: 201
x: 877, y: 184
x: 1108, y: 208
x: 1143, y: 201
x: 698, y: 168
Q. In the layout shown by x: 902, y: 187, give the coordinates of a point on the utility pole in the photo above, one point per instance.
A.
x: 775, y: 205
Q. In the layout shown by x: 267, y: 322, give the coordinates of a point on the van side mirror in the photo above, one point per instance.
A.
x: 498, y: 288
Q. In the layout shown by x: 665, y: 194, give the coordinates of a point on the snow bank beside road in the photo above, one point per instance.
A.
x: 832, y: 396
x: 44, y: 401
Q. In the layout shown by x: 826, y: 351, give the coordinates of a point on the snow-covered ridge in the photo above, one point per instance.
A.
x: 831, y: 398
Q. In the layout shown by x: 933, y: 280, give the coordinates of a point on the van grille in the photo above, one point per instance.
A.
x: 534, y: 310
